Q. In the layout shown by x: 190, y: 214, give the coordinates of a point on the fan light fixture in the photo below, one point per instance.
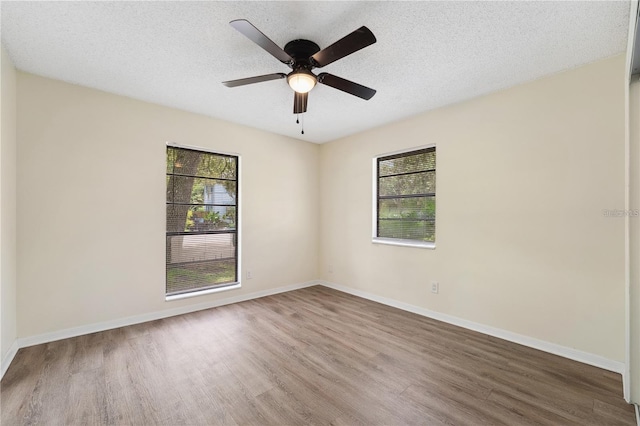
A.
x: 302, y: 81
x: 302, y: 56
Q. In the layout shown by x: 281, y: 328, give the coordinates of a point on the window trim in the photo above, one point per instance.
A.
x: 230, y: 286
x: 227, y: 286
x: 374, y: 205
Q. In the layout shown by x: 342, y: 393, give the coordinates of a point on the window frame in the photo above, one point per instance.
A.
x: 238, y: 232
x: 396, y: 241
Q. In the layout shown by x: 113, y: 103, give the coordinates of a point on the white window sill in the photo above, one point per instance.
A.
x: 202, y: 292
x: 403, y: 243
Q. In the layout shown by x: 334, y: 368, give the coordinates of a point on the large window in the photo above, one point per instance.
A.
x: 202, y: 218
x: 406, y: 198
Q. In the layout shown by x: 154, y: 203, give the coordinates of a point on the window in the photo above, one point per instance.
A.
x: 405, y: 186
x: 202, y: 219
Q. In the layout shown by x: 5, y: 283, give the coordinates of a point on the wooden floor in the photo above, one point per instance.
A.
x: 311, y: 356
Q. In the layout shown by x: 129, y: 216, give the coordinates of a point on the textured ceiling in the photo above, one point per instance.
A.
x: 428, y: 54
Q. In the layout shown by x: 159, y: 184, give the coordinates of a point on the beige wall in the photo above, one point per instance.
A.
x: 634, y: 237
x: 91, y: 190
x: 7, y: 206
x: 522, y: 244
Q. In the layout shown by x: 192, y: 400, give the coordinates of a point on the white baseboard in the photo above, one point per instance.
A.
x: 137, y: 319
x: 6, y: 361
x: 542, y: 345
x: 637, y: 413
x: 563, y: 351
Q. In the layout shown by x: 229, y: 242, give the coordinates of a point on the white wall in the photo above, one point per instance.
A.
x: 91, y: 204
x: 7, y: 208
x: 523, y: 176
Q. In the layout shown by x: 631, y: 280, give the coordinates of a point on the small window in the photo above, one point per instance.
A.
x: 406, y: 198
x: 202, y: 220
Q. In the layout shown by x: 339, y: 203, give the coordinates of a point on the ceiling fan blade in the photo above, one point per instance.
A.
x: 347, y: 86
x: 256, y: 36
x: 300, y: 102
x: 359, y: 39
x: 251, y: 80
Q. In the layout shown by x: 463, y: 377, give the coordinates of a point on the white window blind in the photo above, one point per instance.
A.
x: 406, y: 196
x: 202, y: 217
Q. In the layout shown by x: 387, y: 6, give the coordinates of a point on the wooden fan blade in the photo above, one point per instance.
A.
x: 347, y: 86
x: 359, y: 39
x: 255, y: 35
x: 251, y: 80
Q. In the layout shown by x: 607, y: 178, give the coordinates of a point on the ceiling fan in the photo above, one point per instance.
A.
x: 302, y: 56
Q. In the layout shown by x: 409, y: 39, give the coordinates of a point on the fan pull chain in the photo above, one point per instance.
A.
x: 298, y: 122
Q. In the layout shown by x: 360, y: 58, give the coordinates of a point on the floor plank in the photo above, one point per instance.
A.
x: 310, y: 356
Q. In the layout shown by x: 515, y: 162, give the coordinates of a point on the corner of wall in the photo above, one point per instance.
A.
x: 631, y: 376
x: 8, y: 286
x: 6, y: 360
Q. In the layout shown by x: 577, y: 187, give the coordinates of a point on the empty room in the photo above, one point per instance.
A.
x: 339, y: 213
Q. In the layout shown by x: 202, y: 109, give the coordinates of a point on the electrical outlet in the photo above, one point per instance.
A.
x: 249, y: 275
x: 435, y: 287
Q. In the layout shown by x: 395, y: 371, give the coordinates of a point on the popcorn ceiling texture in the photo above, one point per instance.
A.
x: 428, y: 54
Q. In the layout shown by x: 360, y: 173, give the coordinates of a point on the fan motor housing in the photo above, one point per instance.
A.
x: 301, y: 51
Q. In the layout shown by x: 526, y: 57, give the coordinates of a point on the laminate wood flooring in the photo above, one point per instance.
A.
x: 310, y: 356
